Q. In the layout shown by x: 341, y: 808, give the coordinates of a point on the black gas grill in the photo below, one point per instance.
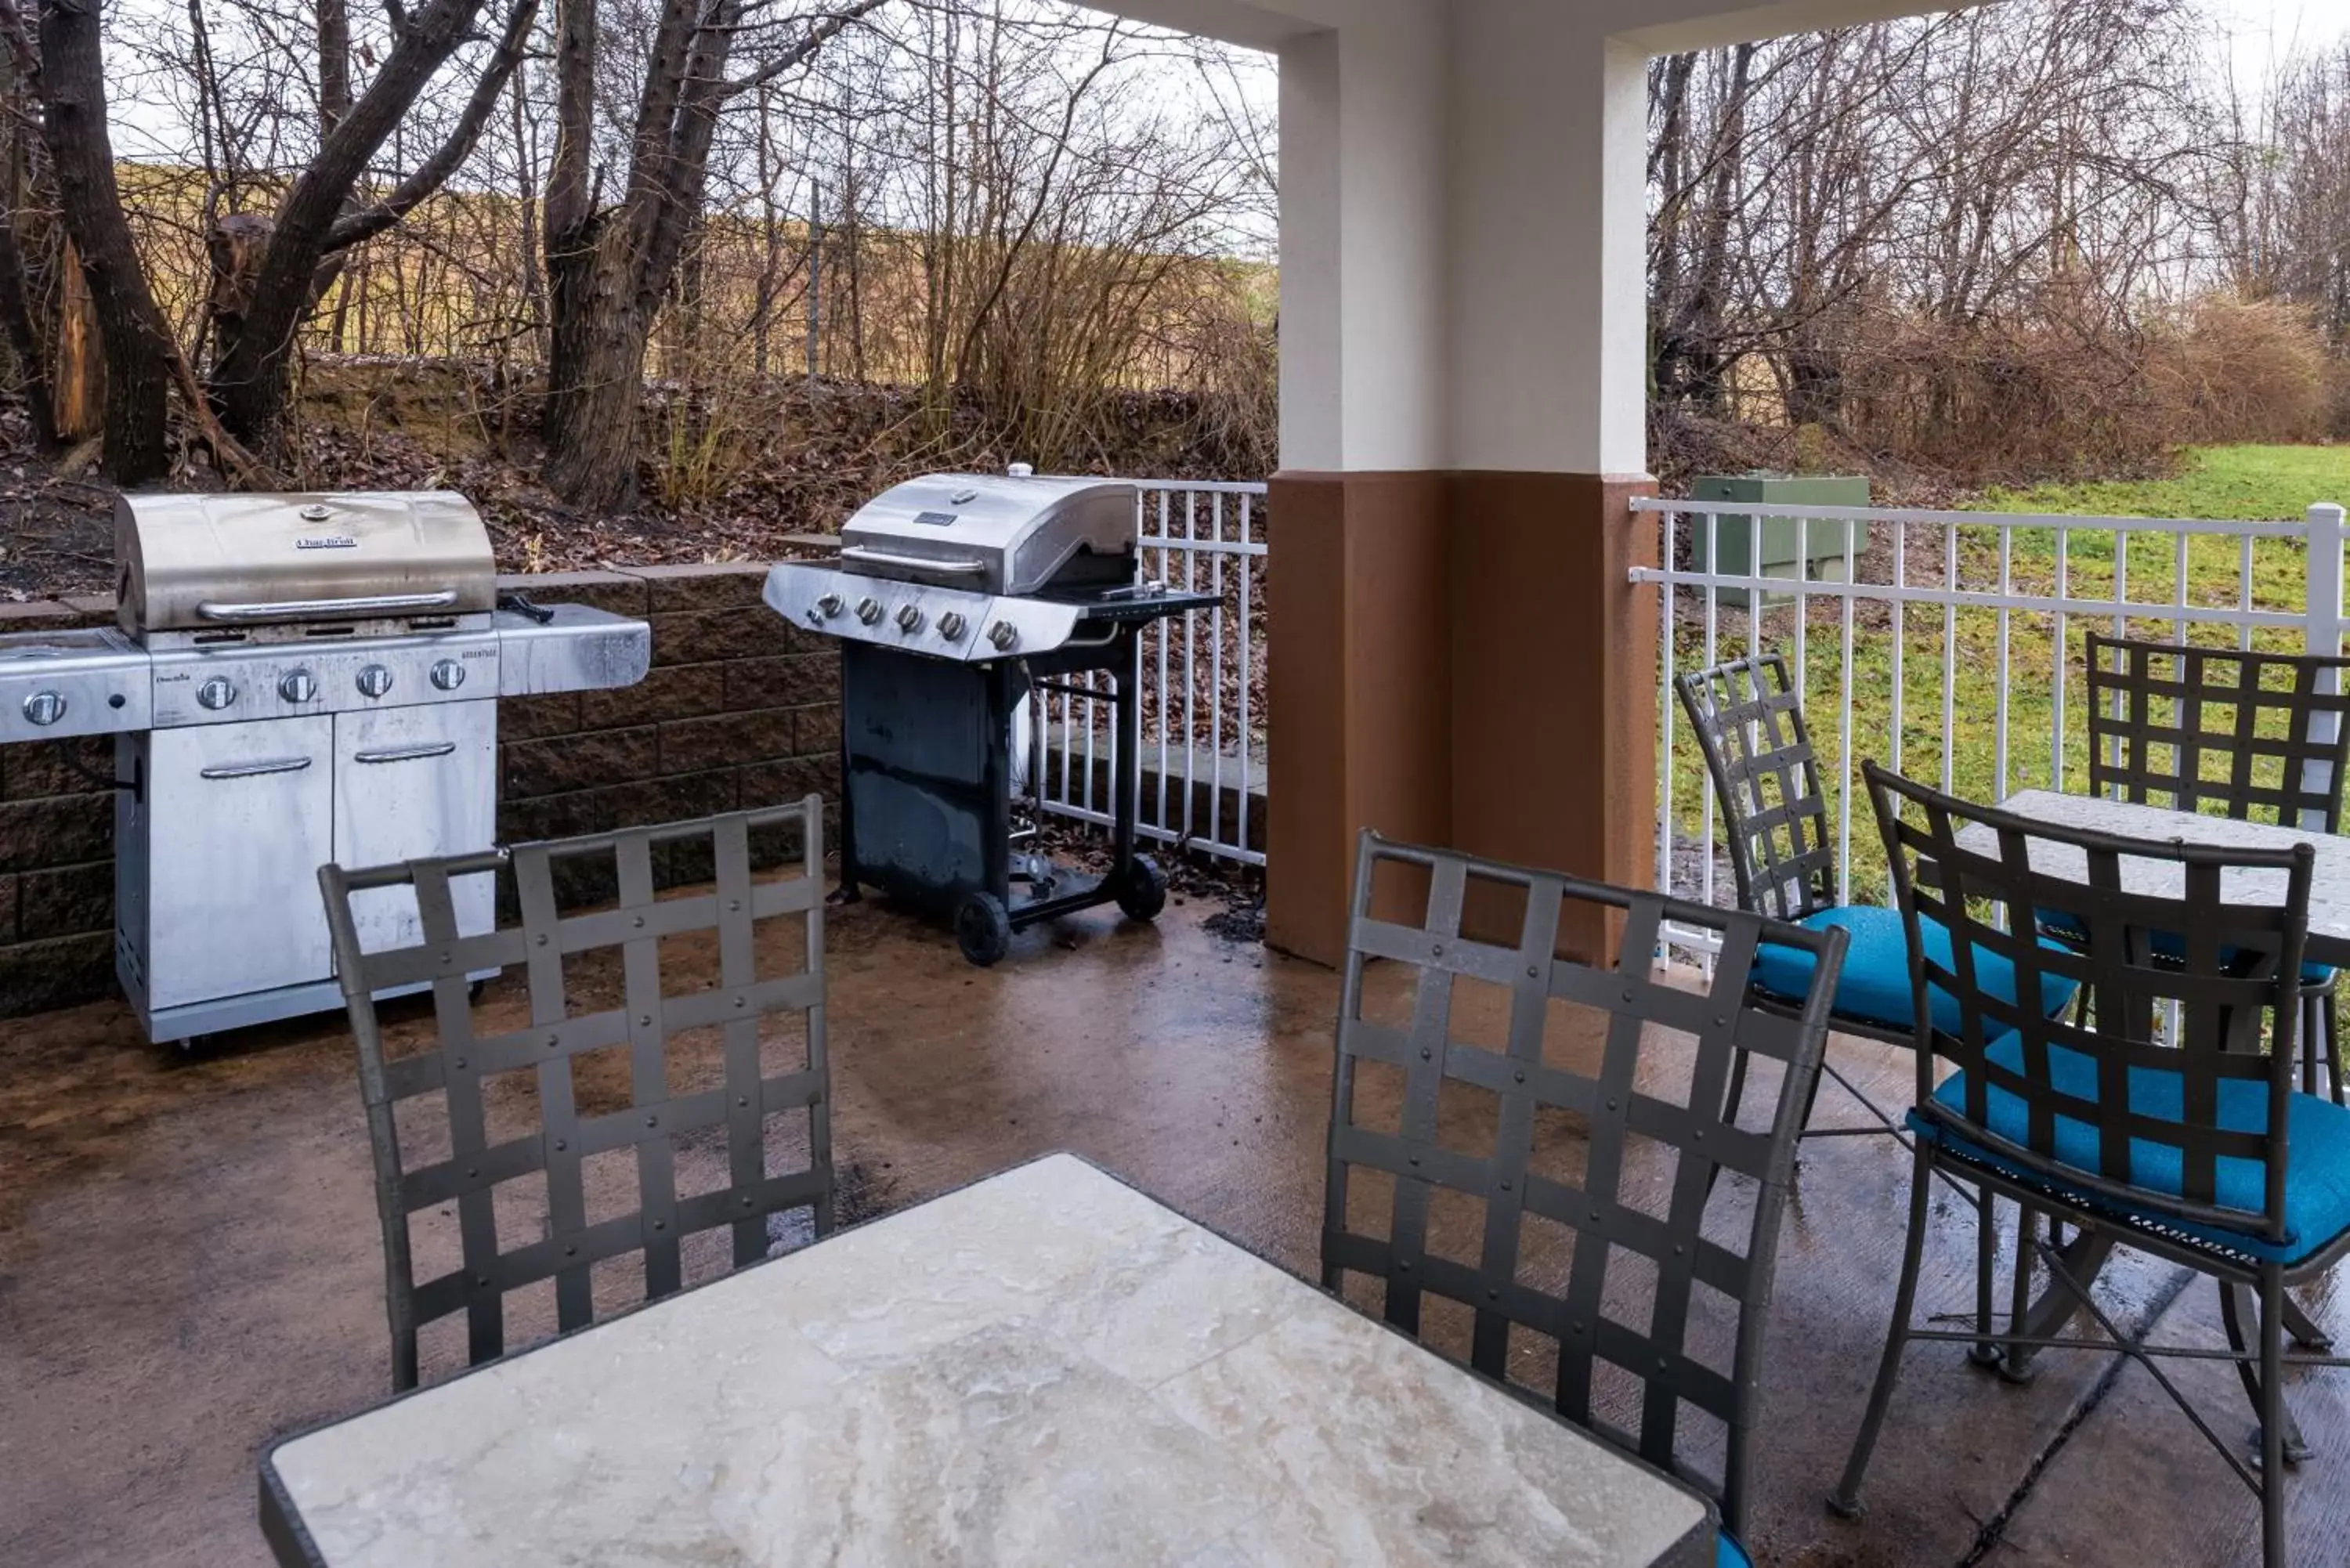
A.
x: 957, y: 597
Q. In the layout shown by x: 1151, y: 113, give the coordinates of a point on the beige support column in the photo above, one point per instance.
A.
x: 1456, y: 654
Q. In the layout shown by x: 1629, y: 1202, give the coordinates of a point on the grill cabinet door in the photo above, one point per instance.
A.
x: 239, y: 825
x: 412, y: 783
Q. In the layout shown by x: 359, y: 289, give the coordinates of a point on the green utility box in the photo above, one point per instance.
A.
x: 1820, y: 540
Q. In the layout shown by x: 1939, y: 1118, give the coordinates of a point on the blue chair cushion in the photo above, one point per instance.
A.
x: 2317, y: 1176
x: 1728, y: 1554
x: 1875, y: 985
x: 2169, y: 944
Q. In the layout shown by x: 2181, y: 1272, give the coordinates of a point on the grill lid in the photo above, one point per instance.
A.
x: 996, y: 533
x: 217, y: 562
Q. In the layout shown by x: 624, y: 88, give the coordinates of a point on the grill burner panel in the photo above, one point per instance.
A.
x: 952, y: 624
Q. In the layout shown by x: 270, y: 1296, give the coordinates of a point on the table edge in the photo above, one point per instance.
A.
x: 290, y: 1540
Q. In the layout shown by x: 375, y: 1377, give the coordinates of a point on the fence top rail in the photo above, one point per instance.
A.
x: 1205, y: 486
x: 1973, y: 598
x: 2295, y: 529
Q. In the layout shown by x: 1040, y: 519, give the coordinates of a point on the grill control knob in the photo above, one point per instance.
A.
x: 868, y: 611
x: 1002, y: 634
x: 298, y: 686
x: 951, y: 626
x: 448, y: 675
x: 828, y: 606
x: 909, y: 619
x: 374, y: 680
x: 45, y: 707
x: 216, y: 693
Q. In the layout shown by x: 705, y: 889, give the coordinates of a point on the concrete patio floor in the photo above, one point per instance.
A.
x: 190, y: 1265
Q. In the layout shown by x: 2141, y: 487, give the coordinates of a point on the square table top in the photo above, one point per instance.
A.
x: 2329, y: 890
x: 1043, y: 1368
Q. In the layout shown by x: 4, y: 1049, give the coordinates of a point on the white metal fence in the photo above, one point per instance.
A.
x: 1202, y: 686
x: 1946, y: 644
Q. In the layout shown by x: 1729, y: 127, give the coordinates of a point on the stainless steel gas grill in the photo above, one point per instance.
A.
x: 957, y: 595
x: 296, y: 680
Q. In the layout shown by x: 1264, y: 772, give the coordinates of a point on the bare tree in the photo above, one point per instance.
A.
x: 607, y: 266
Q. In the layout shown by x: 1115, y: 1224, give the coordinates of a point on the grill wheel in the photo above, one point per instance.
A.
x: 1142, y: 892
x: 982, y: 928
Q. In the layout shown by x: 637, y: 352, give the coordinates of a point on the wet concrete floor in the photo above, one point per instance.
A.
x: 190, y: 1265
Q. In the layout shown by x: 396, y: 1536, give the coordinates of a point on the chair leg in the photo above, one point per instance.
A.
x: 1984, y: 1353
x: 2330, y: 1020
x: 2272, y: 1416
x: 1737, y: 1091
x: 1845, y: 1502
x: 2313, y: 1037
x: 2267, y: 1396
x: 2013, y: 1364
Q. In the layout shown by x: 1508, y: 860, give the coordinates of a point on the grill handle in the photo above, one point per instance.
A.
x: 317, y: 609
x: 407, y: 753
x: 256, y: 769
x: 873, y: 557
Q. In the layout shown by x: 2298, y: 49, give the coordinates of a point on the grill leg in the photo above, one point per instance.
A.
x: 848, y: 892
x: 1128, y: 773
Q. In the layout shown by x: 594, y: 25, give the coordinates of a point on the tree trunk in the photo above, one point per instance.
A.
x: 252, y: 377
x: 595, y: 377
x: 235, y: 246
x: 137, y: 344
x: 80, y: 405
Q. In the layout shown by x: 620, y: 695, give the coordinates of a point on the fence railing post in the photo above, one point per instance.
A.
x: 2322, y: 631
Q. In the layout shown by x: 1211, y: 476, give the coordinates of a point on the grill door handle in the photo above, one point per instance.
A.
x: 407, y: 753
x: 872, y: 556
x: 315, y: 609
x: 256, y: 769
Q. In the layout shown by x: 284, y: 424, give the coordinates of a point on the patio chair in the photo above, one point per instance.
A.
x: 2254, y: 734
x: 480, y: 1078
x: 2195, y: 1148
x: 1749, y: 724
x: 1521, y: 1201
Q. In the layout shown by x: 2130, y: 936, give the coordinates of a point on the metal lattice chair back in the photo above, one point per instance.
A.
x: 1749, y: 724
x: 2225, y: 984
x: 1488, y: 1223
x: 475, y: 1079
x: 2255, y: 735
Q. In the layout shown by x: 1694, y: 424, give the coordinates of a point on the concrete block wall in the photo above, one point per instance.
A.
x: 740, y: 709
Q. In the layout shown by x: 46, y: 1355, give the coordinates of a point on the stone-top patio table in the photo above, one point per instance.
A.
x: 1045, y: 1366
x: 2329, y: 884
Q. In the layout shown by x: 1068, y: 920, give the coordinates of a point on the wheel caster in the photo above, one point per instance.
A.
x: 191, y: 1047
x: 1143, y: 891
x: 982, y: 928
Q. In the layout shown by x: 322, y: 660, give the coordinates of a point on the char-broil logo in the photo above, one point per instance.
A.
x: 326, y: 542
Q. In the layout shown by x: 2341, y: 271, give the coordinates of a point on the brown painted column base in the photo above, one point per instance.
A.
x: 1459, y: 659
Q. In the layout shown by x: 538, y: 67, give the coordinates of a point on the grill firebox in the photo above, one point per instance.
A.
x: 957, y: 597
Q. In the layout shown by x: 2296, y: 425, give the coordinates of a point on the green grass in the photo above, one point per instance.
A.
x: 2250, y: 482
x: 2256, y: 482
